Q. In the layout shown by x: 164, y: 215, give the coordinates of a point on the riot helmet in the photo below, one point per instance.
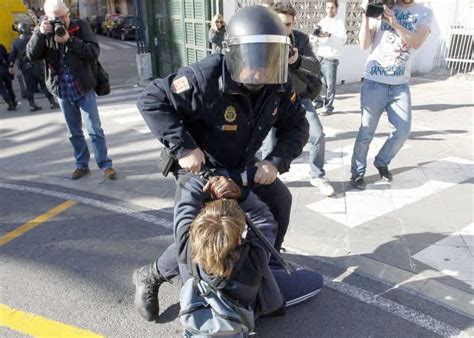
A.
x: 256, y: 47
x: 24, y: 29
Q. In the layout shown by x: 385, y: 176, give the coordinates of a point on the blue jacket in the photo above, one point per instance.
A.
x: 200, y: 106
x: 251, y: 282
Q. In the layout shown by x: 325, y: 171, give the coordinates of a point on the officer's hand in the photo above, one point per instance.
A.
x: 62, y: 39
x: 45, y: 27
x: 192, y: 161
x: 11, y: 71
x: 266, y: 173
x: 294, y: 57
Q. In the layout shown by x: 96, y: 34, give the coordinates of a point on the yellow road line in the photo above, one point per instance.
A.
x: 35, y: 222
x: 38, y: 326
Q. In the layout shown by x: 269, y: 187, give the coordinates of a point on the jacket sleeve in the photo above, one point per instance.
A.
x: 261, y: 216
x: 190, y: 200
x: 86, y: 46
x: 292, y: 132
x: 36, y: 47
x: 13, y: 54
x: 165, y: 104
x: 307, y: 60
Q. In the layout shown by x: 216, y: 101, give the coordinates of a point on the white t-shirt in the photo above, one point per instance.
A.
x: 389, y: 61
x: 330, y: 48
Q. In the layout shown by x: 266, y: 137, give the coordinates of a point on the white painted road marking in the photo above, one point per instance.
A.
x: 365, y: 296
x: 359, y: 207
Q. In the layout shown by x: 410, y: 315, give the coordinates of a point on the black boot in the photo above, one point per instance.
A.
x: 52, y: 103
x: 11, y: 106
x: 147, y: 281
x: 33, y: 106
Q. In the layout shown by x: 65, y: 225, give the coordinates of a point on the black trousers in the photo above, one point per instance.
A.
x: 6, y: 89
x: 278, y: 198
x: 33, y: 78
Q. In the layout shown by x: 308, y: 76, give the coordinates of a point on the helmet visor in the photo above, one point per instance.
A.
x: 258, y: 63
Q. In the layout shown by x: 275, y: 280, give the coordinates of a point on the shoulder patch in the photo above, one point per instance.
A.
x: 180, y: 84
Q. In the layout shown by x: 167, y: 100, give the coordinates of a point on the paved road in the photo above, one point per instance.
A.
x: 74, y: 267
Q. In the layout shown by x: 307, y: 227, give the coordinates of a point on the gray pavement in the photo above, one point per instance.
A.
x: 408, y: 243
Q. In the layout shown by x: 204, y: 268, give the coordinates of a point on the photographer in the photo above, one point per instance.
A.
x: 216, y: 33
x: 71, y: 50
x: 393, y: 36
x: 303, y: 74
x: 330, y: 36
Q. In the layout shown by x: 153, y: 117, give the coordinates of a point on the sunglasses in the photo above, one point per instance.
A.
x: 220, y: 22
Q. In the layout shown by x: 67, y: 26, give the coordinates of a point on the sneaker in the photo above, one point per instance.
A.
x: 323, y: 185
x: 34, y: 108
x: 147, y: 280
x: 358, y: 182
x: 325, y: 113
x: 110, y: 173
x: 385, y: 173
x: 53, y: 105
x: 318, y: 104
x: 79, y: 172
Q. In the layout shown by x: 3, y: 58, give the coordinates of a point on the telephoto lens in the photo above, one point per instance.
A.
x: 375, y: 7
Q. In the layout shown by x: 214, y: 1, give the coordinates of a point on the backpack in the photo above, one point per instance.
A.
x: 207, y: 312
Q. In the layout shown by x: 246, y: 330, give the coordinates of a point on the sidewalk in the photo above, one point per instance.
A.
x: 416, y: 232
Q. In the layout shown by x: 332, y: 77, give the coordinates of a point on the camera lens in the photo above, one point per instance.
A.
x: 59, y: 30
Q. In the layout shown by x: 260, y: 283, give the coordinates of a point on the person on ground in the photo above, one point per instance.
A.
x: 216, y: 113
x: 329, y: 40
x: 71, y: 51
x: 393, y: 37
x: 303, y: 65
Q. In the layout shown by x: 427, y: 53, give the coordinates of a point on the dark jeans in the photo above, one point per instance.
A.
x: 6, y: 89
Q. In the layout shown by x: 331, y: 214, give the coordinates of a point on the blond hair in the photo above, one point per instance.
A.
x: 217, y: 17
x: 214, y: 235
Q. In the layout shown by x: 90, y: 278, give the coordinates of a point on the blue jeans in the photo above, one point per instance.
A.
x: 87, y: 106
x: 316, y: 139
x: 329, y: 76
x: 375, y: 99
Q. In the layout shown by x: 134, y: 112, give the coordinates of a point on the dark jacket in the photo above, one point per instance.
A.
x: 19, y: 56
x: 81, y: 54
x: 306, y: 63
x: 3, y: 61
x: 216, y: 38
x: 200, y: 106
x: 251, y: 282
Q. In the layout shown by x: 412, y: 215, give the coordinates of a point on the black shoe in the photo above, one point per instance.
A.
x: 385, y: 173
x: 147, y: 280
x: 53, y: 105
x: 358, y: 182
x: 35, y: 108
x: 11, y: 107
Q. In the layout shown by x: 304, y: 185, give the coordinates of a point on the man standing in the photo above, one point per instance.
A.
x: 33, y: 72
x: 302, y: 67
x: 215, y: 114
x: 330, y: 39
x: 393, y: 37
x: 6, y: 89
x: 71, y: 51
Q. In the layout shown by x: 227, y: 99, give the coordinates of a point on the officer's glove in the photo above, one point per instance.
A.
x: 222, y: 187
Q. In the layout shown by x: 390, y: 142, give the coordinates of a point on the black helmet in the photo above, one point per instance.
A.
x: 24, y: 29
x: 256, y: 47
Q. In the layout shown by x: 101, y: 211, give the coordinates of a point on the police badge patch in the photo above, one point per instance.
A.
x: 230, y: 114
x: 180, y: 85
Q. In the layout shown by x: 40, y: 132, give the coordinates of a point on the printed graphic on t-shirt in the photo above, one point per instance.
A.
x: 390, y: 57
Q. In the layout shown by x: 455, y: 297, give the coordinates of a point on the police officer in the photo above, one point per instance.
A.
x: 6, y: 89
x: 33, y: 72
x: 216, y: 113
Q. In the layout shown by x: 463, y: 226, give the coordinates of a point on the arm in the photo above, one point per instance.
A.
x: 86, y: 46
x: 164, y: 110
x: 292, y: 132
x: 307, y: 60
x: 36, y: 47
x: 366, y: 33
x: 413, y: 39
x: 13, y: 55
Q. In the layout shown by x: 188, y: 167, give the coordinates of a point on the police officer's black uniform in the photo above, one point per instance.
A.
x: 33, y: 72
x: 6, y: 89
x: 216, y: 106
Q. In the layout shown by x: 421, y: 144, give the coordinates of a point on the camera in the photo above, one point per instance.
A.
x: 317, y: 31
x: 58, y: 27
x: 375, y: 7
